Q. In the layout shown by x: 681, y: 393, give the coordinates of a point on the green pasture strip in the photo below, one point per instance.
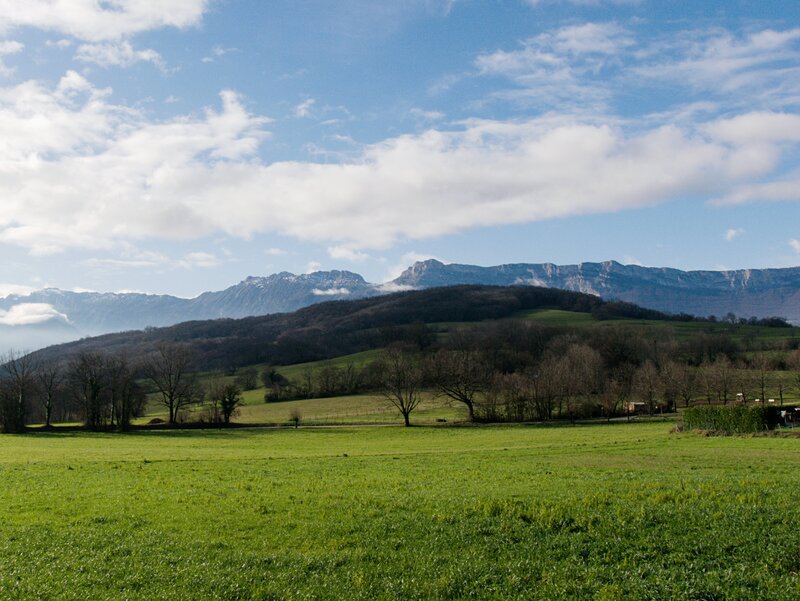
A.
x: 557, y: 317
x: 359, y: 360
x: 355, y: 409
x: 624, y: 511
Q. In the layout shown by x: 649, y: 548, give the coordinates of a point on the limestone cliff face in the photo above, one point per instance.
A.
x: 748, y: 292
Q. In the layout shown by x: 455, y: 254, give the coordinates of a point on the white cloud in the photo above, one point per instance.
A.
x: 564, y: 66
x: 795, y: 244
x: 303, y: 109
x: 198, y: 259
x: 733, y: 233
x: 79, y: 172
x: 216, y: 52
x: 17, y: 289
x: 61, y: 44
x: 276, y: 252
x: 94, y: 20
x: 330, y: 292
x: 26, y: 314
x: 116, y: 54
x: 347, y: 254
x: 424, y: 115
x: 405, y: 262
x: 313, y: 266
x: 7, y: 48
x: 781, y: 190
x: 764, y: 62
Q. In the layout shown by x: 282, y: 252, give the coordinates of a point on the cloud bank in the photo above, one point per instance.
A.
x: 97, y: 21
x: 77, y: 171
x: 27, y: 314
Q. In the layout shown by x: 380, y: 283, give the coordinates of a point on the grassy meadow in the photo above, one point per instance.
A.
x: 621, y: 511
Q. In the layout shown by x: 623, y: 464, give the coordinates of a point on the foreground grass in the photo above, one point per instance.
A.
x: 599, y: 512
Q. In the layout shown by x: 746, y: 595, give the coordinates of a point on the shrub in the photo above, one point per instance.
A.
x: 731, y: 419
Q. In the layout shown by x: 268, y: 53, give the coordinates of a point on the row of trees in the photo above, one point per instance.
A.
x: 107, y: 390
x: 571, y: 380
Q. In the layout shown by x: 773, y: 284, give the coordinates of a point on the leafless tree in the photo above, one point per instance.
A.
x: 51, y: 379
x: 88, y: 381
x: 461, y: 375
x: 402, y: 380
x: 722, y: 377
x: 686, y: 382
x: 647, y: 383
x: 581, y: 369
x: 762, y: 367
x: 18, y: 377
x: 168, y: 370
x: 547, y: 386
x: 126, y: 398
x: 617, y: 390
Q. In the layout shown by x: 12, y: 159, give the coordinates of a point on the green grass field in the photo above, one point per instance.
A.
x: 627, y: 511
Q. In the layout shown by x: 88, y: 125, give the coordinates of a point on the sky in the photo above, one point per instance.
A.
x: 182, y: 145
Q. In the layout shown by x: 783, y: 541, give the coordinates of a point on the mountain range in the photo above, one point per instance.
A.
x: 51, y: 316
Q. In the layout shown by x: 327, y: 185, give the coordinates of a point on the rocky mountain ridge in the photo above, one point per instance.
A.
x: 25, y: 320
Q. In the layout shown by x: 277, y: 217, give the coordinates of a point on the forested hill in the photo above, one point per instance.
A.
x: 340, y: 327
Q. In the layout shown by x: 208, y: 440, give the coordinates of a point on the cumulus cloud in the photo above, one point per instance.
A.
x: 733, y: 233
x: 97, y: 21
x: 795, y: 244
x: 77, y: 171
x: 116, y: 54
x: 26, y: 314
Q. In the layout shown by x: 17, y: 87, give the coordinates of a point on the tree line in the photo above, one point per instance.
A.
x: 523, y: 371
x: 106, y: 391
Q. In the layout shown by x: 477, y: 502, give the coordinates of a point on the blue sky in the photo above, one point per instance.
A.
x: 182, y: 145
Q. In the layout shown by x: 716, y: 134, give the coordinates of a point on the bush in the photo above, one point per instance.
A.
x: 731, y: 419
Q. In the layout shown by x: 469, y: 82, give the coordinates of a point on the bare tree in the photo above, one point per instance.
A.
x: 402, y: 381
x: 18, y: 374
x: 582, y: 372
x: 722, y: 377
x: 617, y: 390
x: 762, y: 367
x: 168, y: 369
x: 647, y: 383
x: 461, y: 375
x: 88, y: 381
x: 126, y: 398
x: 686, y: 382
x: 547, y: 386
x: 51, y: 379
